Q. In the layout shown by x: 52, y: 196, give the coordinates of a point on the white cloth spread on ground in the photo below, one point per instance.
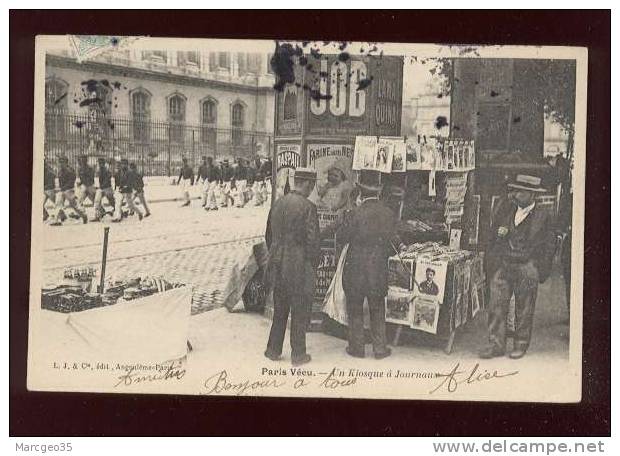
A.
x: 152, y: 329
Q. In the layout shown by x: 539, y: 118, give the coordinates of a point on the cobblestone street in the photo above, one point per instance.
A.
x: 187, y: 245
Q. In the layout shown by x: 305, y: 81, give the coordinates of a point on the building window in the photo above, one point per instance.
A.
x: 242, y: 63
x: 55, y: 109
x: 193, y: 58
x: 237, y: 122
x: 269, y: 69
x: 176, y: 117
x: 254, y: 63
x: 213, y: 61
x: 208, y: 117
x: 141, y: 115
x: 290, y: 104
x: 160, y: 55
x: 56, y: 94
x: 223, y: 60
x: 188, y: 58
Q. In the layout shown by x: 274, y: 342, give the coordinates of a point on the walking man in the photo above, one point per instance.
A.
x: 66, y: 179
x: 137, y: 181
x: 86, y: 176
x: 104, y: 176
x: 186, y: 180
x: 227, y: 183
x: 240, y: 176
x: 124, y: 187
x: 202, y: 179
x: 213, y: 180
x: 522, y: 249
x: 370, y: 231
x: 292, y: 238
x: 49, y: 187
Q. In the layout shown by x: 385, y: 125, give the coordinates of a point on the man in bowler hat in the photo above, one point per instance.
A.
x: 370, y: 230
x: 292, y: 238
x: 521, y: 252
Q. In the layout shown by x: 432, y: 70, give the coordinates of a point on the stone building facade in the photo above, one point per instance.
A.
x: 159, y: 105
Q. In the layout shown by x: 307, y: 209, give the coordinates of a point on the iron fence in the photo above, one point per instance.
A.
x: 157, y: 147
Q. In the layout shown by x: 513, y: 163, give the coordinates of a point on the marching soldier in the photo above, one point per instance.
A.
x: 227, y: 183
x: 66, y: 179
x: 213, y: 179
x: 202, y: 179
x: 104, y: 176
x: 240, y: 176
x: 186, y: 180
x: 124, y: 188
x: 522, y: 252
x: 86, y: 177
x: 49, y: 187
x: 292, y: 237
x: 138, y: 186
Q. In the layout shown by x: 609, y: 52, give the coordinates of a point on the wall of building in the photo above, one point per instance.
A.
x: 258, y: 104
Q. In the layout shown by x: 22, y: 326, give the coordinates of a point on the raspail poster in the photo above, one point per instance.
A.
x: 288, y: 159
x: 335, y: 179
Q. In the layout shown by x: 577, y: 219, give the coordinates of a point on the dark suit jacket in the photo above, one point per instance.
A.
x: 532, y: 240
x: 292, y: 238
x: 370, y: 229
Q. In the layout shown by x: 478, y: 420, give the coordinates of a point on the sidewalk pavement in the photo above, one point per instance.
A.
x: 159, y: 189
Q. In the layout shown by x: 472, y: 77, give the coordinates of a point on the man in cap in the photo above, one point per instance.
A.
x: 521, y: 249
x: 137, y: 181
x: 370, y: 231
x: 292, y: 238
x: 228, y: 180
x: 66, y: 179
x: 49, y: 187
x: 241, y: 180
x: 186, y: 180
x: 104, y: 177
x: 202, y: 179
x: 124, y: 186
x: 86, y: 179
x: 209, y: 175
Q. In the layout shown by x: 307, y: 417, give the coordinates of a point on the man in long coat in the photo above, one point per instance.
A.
x: 370, y: 230
x: 292, y: 238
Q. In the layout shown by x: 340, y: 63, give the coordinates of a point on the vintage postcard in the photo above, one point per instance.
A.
x: 215, y: 217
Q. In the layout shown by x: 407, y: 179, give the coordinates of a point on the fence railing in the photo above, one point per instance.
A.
x: 157, y: 147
